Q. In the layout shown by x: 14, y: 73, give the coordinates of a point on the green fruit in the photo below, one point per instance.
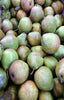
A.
x: 50, y: 62
x: 60, y: 70
x: 27, y: 5
x: 58, y: 88
x: 39, y: 50
x: 44, y: 79
x: 15, y: 23
x: 28, y: 91
x: 3, y: 79
x: 10, y: 41
x: 13, y: 12
x: 22, y: 39
x: 16, y: 3
x: 45, y: 96
x: 8, y: 57
x: 36, y: 14
x: 7, y: 25
x: 59, y: 54
x: 25, y: 24
x: 11, y: 32
x: 1, y: 51
x: 50, y: 42
x: 36, y: 27
x: 40, y: 2
x: 34, y: 60
x: 48, y: 2
x: 19, y: 71
x: 23, y: 52
x: 1, y: 34
x: 34, y: 38
x: 6, y: 3
x: 60, y: 32
x: 49, y: 24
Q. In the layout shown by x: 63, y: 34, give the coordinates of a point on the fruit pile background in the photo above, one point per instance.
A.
x: 31, y: 49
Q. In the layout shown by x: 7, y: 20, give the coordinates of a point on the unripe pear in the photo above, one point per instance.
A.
x: 16, y: 3
x: 11, y: 32
x: 40, y: 2
x: 36, y: 27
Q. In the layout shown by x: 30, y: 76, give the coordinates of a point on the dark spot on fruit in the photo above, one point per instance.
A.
x: 30, y: 3
x: 61, y: 76
x: 12, y: 75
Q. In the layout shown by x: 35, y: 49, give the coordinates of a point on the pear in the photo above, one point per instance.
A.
x: 1, y: 51
x: 36, y: 27
x: 50, y: 62
x: 50, y: 42
x: 25, y: 24
x: 23, y: 52
x: 58, y: 88
x: 28, y: 91
x: 48, y: 24
x: 3, y: 79
x: 60, y: 70
x: 16, y: 3
x: 10, y: 41
x: 44, y: 79
x: 13, y: 12
x: 8, y: 57
x: 7, y: 25
x: 48, y: 3
x: 39, y: 50
x: 34, y: 38
x: 60, y: 32
x: 34, y: 60
x: 6, y: 3
x: 1, y: 34
x: 45, y: 96
x: 59, y: 20
x: 59, y: 54
x: 40, y: 2
x: 11, y: 32
x: 22, y: 39
x: 27, y: 5
x: 36, y: 14
x: 19, y: 72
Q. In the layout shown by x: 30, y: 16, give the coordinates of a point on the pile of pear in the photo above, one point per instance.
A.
x: 31, y: 50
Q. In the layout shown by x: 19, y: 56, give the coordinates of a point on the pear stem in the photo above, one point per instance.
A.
x: 32, y: 71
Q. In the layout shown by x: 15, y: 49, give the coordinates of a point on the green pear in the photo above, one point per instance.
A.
x: 58, y: 88
x: 60, y: 32
x: 3, y: 79
x: 50, y: 42
x: 45, y: 96
x: 10, y: 41
x: 40, y: 2
x: 34, y: 60
x: 34, y: 38
x: 1, y: 34
x: 22, y: 39
x: 39, y: 50
x: 11, y: 32
x: 48, y: 24
x: 36, y: 14
x: 44, y: 79
x: 28, y: 91
x: 59, y: 54
x: 7, y: 25
x: 50, y: 62
x: 25, y: 24
x: 60, y: 70
x: 1, y: 51
x: 13, y: 12
x: 23, y: 52
x: 16, y: 3
x: 36, y: 27
x: 19, y: 72
x: 8, y: 57
x: 48, y: 3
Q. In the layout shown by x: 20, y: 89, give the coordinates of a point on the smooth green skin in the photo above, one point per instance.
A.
x: 44, y: 79
x: 48, y: 11
x: 25, y: 24
x: 10, y: 41
x: 7, y: 25
x: 22, y: 39
x: 45, y: 96
x: 60, y: 32
x: 6, y: 3
x: 50, y: 43
x: 36, y: 14
x: 36, y: 27
x: 15, y: 23
x: 48, y: 24
x: 15, y: 3
x: 50, y: 62
x: 59, y: 54
x: 28, y: 91
x: 2, y: 72
x: 6, y: 14
x: 48, y: 3
x: 8, y: 57
x: 34, y: 60
x: 59, y: 20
